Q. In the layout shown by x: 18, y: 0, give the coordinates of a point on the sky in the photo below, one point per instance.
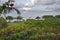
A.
x: 33, y: 8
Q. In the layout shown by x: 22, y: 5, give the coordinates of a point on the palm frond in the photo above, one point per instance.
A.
x: 18, y: 12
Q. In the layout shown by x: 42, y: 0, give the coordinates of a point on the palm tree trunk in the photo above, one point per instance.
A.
x: 4, y: 13
x: 4, y: 16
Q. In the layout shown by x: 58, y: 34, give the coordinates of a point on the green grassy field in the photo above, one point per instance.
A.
x: 31, y: 29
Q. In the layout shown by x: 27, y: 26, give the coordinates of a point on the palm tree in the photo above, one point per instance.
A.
x: 19, y: 18
x: 37, y: 18
x: 9, y: 18
x: 7, y: 7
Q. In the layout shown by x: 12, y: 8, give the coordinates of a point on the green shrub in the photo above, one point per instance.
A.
x: 3, y: 23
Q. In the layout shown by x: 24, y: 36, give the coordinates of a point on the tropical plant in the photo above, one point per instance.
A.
x: 57, y: 16
x: 37, y: 18
x: 7, y: 7
x: 19, y: 18
x: 32, y: 29
x: 9, y: 18
x: 3, y: 23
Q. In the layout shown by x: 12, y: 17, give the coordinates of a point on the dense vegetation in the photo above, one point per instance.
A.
x: 32, y: 29
x: 3, y: 23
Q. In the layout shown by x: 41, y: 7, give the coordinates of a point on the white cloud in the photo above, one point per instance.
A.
x: 39, y: 2
x: 3, y: 1
x: 43, y: 2
x: 30, y: 4
x: 44, y: 5
x: 26, y: 9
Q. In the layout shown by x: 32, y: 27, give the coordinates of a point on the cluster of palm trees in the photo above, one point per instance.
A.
x: 10, y: 18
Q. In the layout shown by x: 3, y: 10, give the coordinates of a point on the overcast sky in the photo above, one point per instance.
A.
x: 37, y: 6
x: 43, y: 5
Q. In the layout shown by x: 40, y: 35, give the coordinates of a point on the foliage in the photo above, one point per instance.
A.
x: 1, y: 9
x: 19, y: 18
x: 3, y: 23
x: 57, y: 16
x: 47, y: 16
x: 37, y: 17
x: 9, y: 18
x: 31, y: 29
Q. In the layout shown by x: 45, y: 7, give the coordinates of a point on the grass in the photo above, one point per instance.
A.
x: 32, y: 30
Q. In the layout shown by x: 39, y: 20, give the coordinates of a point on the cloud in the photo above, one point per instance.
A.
x: 39, y: 2
x: 30, y: 4
x: 40, y: 5
x: 3, y: 1
x: 44, y: 5
x: 26, y: 8
x: 44, y: 2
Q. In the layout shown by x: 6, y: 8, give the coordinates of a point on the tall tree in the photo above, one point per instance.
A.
x: 7, y: 7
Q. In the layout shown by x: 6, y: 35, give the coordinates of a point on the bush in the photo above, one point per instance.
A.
x: 3, y: 23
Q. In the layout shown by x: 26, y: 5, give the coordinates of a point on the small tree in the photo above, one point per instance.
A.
x: 37, y: 18
x: 3, y: 23
x: 19, y: 18
x: 57, y: 16
x: 9, y: 18
x: 47, y: 17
